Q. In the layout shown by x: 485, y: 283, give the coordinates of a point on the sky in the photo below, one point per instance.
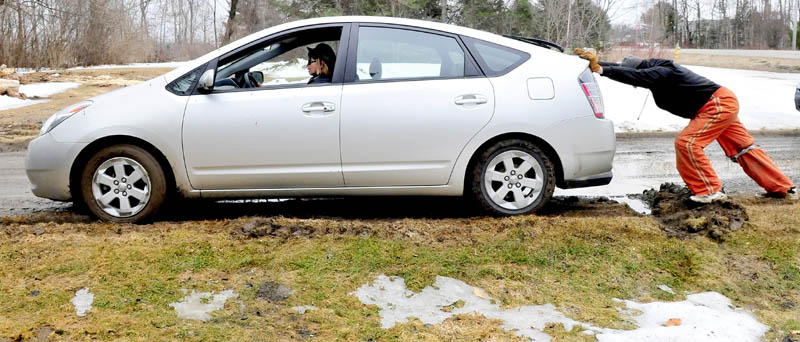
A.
x: 628, y: 12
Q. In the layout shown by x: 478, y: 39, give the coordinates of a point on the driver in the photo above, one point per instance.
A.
x: 321, y: 61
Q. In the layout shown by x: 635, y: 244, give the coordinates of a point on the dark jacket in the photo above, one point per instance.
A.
x: 675, y: 88
x: 320, y: 79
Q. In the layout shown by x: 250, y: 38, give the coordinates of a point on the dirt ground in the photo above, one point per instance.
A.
x: 671, y: 207
x: 773, y: 64
x: 741, y: 62
x: 681, y: 217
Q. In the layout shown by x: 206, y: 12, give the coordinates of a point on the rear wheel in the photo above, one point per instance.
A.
x: 123, y: 183
x: 513, y: 177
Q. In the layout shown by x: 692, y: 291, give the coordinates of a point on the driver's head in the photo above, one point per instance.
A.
x: 321, y: 60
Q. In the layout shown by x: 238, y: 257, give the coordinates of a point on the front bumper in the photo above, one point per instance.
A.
x: 48, y: 163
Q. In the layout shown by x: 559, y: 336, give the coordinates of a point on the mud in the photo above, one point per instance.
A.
x: 681, y: 217
x: 274, y: 292
x: 270, y: 227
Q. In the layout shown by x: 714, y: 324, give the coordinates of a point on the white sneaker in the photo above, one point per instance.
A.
x: 717, y: 196
x: 792, y: 194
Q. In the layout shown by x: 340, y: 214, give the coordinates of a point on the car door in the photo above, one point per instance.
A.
x: 282, y: 133
x: 412, y: 100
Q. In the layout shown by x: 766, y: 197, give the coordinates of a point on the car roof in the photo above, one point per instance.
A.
x: 460, y: 30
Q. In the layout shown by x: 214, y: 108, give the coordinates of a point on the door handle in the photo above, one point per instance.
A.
x: 470, y: 100
x: 325, y: 107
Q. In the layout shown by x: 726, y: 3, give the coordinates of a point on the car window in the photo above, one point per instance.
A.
x: 183, y: 85
x: 388, y: 54
x: 278, y: 62
x: 495, y: 59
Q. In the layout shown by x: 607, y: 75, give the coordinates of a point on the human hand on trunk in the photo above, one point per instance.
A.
x: 591, y: 57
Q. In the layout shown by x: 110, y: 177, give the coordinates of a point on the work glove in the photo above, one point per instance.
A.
x: 589, y: 56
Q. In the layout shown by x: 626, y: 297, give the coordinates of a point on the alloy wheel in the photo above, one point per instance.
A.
x: 121, y: 187
x: 513, y: 179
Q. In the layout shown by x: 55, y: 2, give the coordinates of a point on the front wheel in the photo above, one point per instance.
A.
x: 123, y: 183
x: 513, y: 177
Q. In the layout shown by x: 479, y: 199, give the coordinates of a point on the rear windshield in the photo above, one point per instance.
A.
x: 495, y: 60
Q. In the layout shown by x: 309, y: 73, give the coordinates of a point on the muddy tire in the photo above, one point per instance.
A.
x: 513, y: 177
x: 123, y: 183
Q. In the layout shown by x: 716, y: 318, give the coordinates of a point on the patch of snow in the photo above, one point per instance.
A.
x: 666, y: 289
x: 400, y: 70
x: 303, y: 308
x: 8, y: 102
x: 398, y: 304
x: 198, y: 305
x: 35, y: 89
x: 284, y: 72
x: 284, y: 69
x: 82, y: 301
x: 704, y: 317
x: 277, y: 81
x: 766, y: 101
x: 46, y: 89
x: 634, y: 203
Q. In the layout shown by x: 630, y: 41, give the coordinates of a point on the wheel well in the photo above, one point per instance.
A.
x: 546, y: 148
x: 97, y: 145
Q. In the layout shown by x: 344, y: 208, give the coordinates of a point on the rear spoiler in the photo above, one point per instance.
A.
x: 538, y: 42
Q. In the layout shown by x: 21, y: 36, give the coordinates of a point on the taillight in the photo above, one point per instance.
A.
x: 592, y: 92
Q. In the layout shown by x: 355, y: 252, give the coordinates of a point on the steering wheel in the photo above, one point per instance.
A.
x: 244, y: 81
x: 249, y: 81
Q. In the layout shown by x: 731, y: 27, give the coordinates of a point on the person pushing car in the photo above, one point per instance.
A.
x: 712, y: 111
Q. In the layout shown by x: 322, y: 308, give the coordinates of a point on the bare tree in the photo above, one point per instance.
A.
x: 232, y: 6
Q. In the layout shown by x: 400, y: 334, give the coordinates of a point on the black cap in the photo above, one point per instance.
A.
x: 325, y: 53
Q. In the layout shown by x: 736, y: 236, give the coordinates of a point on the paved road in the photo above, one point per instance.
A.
x: 646, y: 161
x: 15, y: 192
x: 641, y: 162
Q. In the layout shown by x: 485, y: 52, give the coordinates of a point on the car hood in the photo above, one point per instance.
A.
x: 125, y: 92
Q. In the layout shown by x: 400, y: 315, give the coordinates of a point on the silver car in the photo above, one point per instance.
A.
x: 411, y: 108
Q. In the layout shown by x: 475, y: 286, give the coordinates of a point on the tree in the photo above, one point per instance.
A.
x: 660, y: 22
x: 232, y: 6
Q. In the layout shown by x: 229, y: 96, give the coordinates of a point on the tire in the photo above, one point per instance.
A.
x: 123, y: 183
x: 503, y: 189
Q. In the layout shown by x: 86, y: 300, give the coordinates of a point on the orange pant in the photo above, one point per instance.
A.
x: 718, y: 119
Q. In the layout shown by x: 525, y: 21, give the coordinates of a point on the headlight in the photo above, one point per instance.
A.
x: 62, y: 115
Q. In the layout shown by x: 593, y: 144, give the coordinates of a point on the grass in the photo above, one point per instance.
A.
x: 576, y: 263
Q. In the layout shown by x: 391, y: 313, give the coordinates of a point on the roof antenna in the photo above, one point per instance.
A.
x: 643, y: 104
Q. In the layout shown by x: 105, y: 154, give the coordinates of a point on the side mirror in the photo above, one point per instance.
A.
x: 258, y: 76
x: 206, y: 82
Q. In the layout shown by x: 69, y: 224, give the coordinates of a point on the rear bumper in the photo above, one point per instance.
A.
x: 597, y: 180
x: 48, y: 163
x: 586, y: 148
